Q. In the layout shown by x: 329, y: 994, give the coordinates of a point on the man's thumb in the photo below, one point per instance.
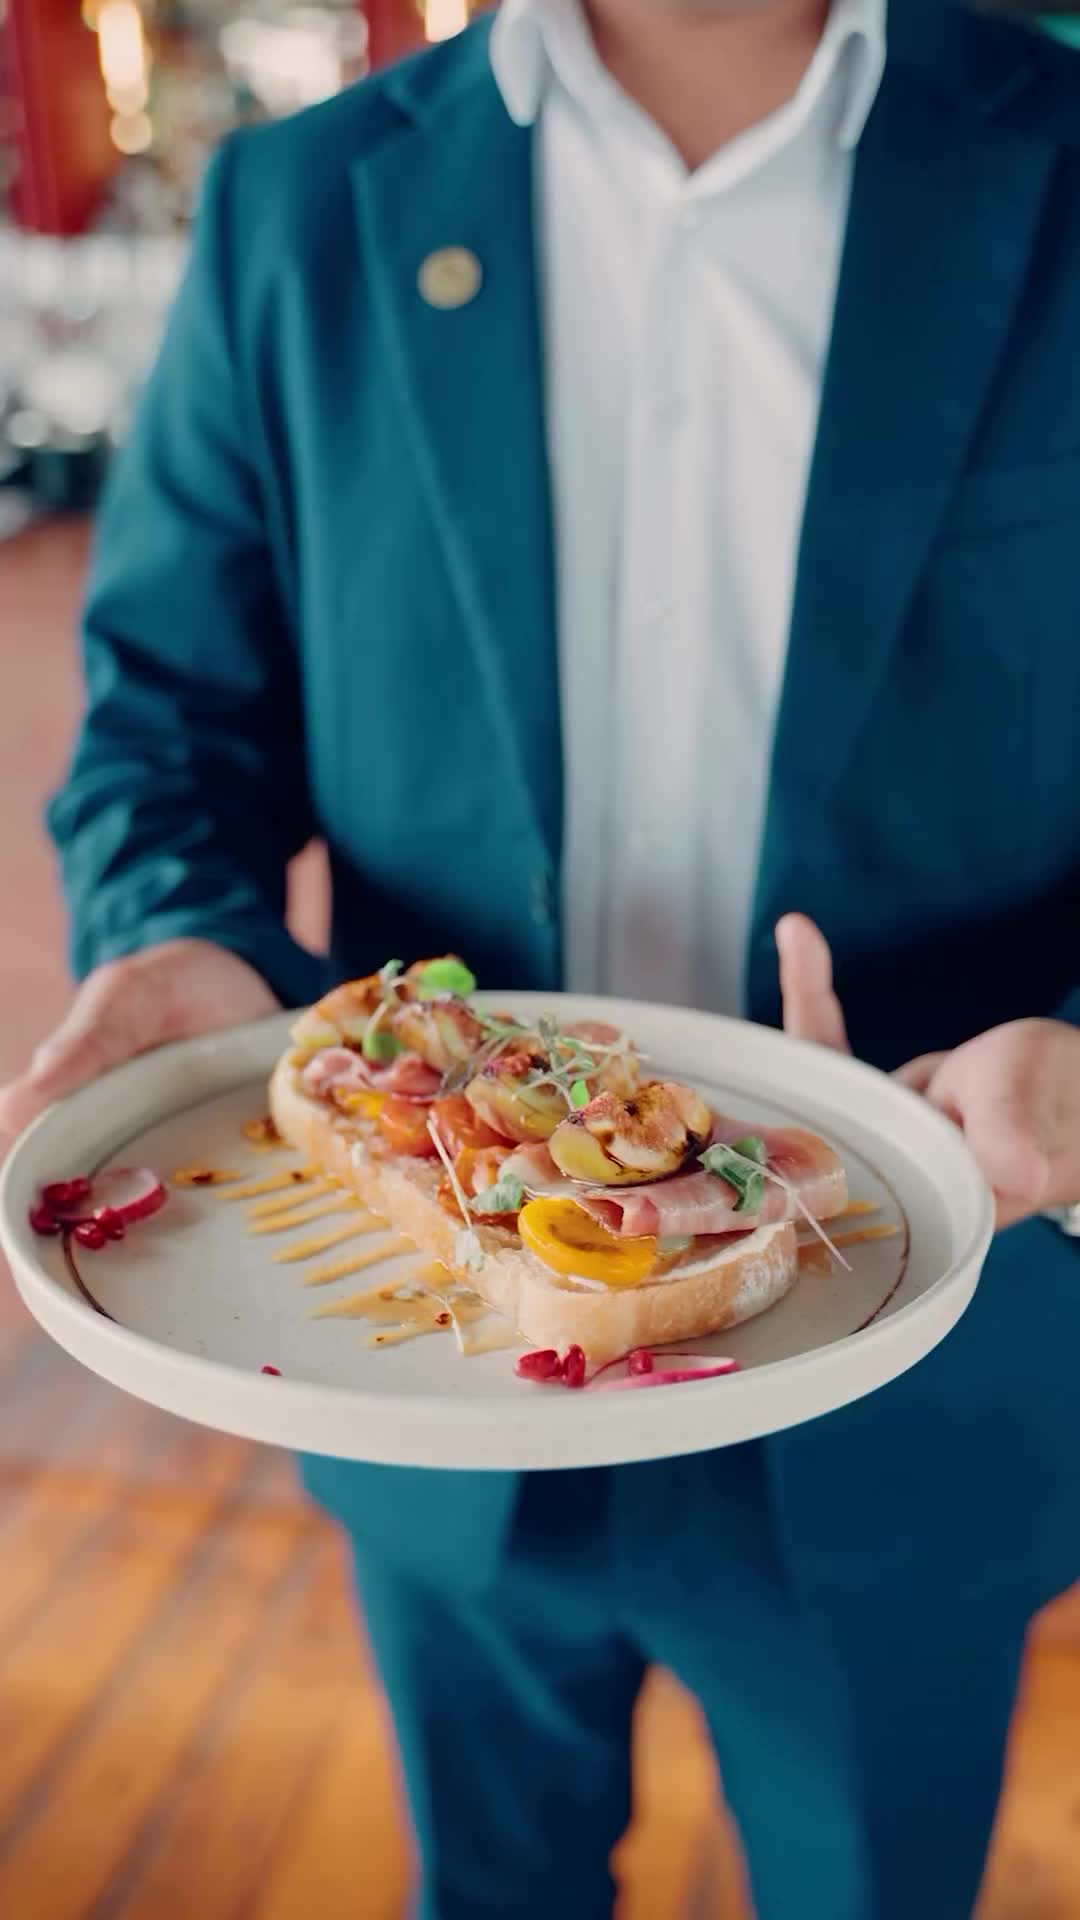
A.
x: 811, y: 1008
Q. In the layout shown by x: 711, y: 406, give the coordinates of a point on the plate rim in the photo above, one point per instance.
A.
x: 583, y: 1415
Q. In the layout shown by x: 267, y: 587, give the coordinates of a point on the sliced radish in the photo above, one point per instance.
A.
x: 670, y: 1376
x: 131, y: 1193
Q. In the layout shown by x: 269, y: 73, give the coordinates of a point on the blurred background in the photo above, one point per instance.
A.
x: 188, y: 1722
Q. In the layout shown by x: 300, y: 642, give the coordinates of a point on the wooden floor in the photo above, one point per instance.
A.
x: 188, y: 1724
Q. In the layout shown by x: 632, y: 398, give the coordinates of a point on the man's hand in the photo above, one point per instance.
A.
x: 170, y: 992
x: 1015, y: 1091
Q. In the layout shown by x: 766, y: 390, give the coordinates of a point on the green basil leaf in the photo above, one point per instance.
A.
x: 752, y: 1148
x: 380, y: 1045
x: 752, y: 1197
x: 505, y: 1196
x: 747, y: 1181
x: 717, y: 1159
x: 445, y: 976
x: 579, y: 1094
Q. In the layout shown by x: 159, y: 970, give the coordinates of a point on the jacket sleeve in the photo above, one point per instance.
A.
x: 187, y: 794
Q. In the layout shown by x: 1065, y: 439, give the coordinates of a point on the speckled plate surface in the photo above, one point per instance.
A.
x: 195, y: 1305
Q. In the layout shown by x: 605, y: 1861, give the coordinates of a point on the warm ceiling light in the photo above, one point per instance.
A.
x: 132, y: 132
x: 122, y: 48
x: 129, y: 100
x: 444, y: 18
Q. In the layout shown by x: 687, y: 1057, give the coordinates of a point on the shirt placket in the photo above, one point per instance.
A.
x: 653, y: 918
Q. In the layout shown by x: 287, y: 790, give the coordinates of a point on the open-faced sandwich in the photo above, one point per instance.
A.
x: 585, y: 1199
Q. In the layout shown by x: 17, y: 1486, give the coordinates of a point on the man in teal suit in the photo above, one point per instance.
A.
x: 326, y: 600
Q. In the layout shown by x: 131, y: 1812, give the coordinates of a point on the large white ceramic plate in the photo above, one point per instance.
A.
x: 197, y: 1307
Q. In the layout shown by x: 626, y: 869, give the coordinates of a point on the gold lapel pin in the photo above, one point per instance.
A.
x: 450, y: 277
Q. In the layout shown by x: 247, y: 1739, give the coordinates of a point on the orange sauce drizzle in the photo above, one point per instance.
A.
x: 284, y: 1203
x: 424, y: 1314
x: 312, y: 1210
x: 203, y: 1177
x: 863, y: 1234
x: 337, y: 1269
x: 274, y: 1183
x: 320, y: 1243
x: 858, y: 1207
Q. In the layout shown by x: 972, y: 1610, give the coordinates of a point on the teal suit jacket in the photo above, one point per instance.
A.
x: 323, y: 602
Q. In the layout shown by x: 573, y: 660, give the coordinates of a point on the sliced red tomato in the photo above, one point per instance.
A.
x: 460, y: 1127
x: 404, y: 1127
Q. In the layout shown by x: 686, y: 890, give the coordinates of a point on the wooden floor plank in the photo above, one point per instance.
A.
x: 346, y: 1852
x: 1034, y: 1868
x: 53, y: 1668
x: 220, y: 1829
x: 50, y: 1514
x: 109, y: 1781
x: 680, y: 1855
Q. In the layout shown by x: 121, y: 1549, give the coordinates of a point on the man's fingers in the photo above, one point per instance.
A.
x: 995, y: 1097
x: 919, y: 1074
x: 811, y: 1008
x: 162, y: 993
x: 89, y: 1041
x: 1006, y: 1147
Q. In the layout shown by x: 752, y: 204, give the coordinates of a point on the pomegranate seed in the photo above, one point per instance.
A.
x: 641, y: 1360
x: 542, y: 1364
x: 89, y: 1234
x: 43, y: 1221
x: 110, y: 1222
x: 66, y: 1193
x: 573, y: 1367
x: 276, y: 1371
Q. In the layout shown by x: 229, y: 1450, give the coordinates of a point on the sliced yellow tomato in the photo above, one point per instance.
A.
x: 359, y: 1100
x: 570, y: 1241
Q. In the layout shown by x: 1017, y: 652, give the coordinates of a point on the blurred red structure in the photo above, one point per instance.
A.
x: 395, y: 28
x: 65, y: 158
x: 60, y: 117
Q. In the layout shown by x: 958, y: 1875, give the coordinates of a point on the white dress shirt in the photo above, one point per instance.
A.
x: 686, y: 323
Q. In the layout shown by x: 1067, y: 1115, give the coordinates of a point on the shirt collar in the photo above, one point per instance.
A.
x: 534, y: 42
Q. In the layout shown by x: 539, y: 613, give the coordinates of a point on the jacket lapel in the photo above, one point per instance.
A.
x: 943, y: 216
x: 457, y: 173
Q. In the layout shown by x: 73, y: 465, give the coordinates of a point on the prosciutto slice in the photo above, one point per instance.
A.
x: 701, y: 1202
x: 409, y: 1077
x: 697, y: 1202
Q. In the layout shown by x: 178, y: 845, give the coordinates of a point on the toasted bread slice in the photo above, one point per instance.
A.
x: 751, y: 1271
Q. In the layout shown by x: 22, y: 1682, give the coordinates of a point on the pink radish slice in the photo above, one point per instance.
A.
x: 670, y: 1377
x: 132, y: 1193
x: 123, y: 1193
